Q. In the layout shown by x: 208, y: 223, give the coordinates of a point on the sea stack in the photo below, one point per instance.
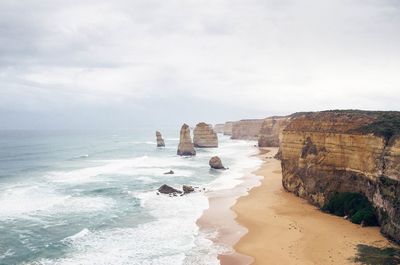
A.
x: 186, y: 147
x: 204, y: 136
x: 160, y: 140
x: 216, y: 163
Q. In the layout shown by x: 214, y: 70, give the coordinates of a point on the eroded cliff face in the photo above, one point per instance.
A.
x: 246, y: 129
x: 327, y: 152
x: 228, y: 128
x: 204, y: 136
x: 270, y: 134
x: 219, y: 128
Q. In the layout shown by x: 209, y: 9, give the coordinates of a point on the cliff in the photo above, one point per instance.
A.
x: 228, y: 128
x: 219, y: 128
x: 345, y: 151
x: 186, y: 147
x: 246, y: 129
x: 270, y: 134
x: 204, y: 136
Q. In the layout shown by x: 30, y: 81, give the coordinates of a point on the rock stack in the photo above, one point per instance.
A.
x: 160, y: 140
x: 204, y: 136
x: 186, y: 147
x: 216, y: 163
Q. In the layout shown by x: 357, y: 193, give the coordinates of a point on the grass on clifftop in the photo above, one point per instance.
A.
x: 387, y: 125
x: 354, y: 205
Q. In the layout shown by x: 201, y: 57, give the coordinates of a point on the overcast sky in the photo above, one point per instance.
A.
x: 122, y: 63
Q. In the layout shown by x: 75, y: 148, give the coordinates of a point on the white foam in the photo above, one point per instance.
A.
x: 144, y: 164
x: 163, y: 241
x: 25, y: 201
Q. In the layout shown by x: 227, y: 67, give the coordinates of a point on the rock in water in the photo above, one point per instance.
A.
x: 204, y: 136
x: 216, y: 163
x: 187, y: 189
x: 165, y: 189
x: 186, y: 147
x: 171, y: 172
x: 160, y: 140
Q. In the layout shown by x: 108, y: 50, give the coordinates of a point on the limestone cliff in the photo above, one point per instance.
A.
x: 270, y: 134
x: 246, y: 129
x: 204, y: 136
x: 219, y: 128
x: 185, y: 147
x: 345, y: 151
x: 228, y: 128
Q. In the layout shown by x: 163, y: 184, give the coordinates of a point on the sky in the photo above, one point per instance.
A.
x: 125, y: 63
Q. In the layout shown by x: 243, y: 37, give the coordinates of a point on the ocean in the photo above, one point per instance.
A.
x: 89, y: 197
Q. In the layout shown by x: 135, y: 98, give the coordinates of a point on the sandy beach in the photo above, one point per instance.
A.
x: 285, y: 229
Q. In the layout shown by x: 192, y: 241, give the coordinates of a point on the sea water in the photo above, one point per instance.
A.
x: 89, y: 197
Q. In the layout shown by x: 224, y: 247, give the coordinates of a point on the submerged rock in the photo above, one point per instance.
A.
x: 171, y: 172
x: 160, y: 140
x: 186, y: 147
x: 204, y: 136
x: 165, y: 189
x: 216, y: 163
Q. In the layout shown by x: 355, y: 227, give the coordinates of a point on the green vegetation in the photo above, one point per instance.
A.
x: 354, y: 205
x: 369, y: 255
x: 386, y: 125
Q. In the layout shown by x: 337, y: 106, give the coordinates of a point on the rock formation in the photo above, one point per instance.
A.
x: 228, y: 128
x: 187, y: 189
x: 219, y: 128
x: 171, y: 172
x: 216, y: 163
x: 185, y: 147
x: 346, y: 151
x: 165, y: 189
x: 204, y: 136
x: 160, y: 140
x: 246, y: 129
x: 271, y: 131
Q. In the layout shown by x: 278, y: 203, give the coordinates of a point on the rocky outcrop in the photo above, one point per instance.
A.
x: 160, y: 140
x: 271, y: 131
x: 216, y: 163
x: 204, y: 136
x: 228, y: 128
x: 187, y: 189
x: 165, y: 189
x: 219, y: 128
x: 246, y: 129
x: 324, y: 153
x: 186, y: 147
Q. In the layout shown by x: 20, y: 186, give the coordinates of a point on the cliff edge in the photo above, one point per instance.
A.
x: 330, y: 152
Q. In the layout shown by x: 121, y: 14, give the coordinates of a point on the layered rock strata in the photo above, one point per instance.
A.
x: 186, y: 147
x: 246, y: 129
x: 219, y: 128
x: 160, y: 140
x: 270, y: 134
x: 204, y: 136
x: 228, y: 128
x: 324, y: 153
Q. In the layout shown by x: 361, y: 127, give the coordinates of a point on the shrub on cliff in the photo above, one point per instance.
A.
x: 354, y: 205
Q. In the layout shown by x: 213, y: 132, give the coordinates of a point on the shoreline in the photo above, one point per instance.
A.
x: 283, y: 229
x: 219, y: 220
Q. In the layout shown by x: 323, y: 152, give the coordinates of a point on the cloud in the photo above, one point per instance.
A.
x: 247, y: 57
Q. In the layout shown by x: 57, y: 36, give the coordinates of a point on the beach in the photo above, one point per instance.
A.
x: 276, y: 227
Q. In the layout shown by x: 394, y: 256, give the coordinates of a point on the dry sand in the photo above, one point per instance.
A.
x: 285, y: 229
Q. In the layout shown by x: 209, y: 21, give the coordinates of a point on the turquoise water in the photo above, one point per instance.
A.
x: 76, y: 197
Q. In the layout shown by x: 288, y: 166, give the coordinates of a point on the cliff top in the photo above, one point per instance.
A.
x: 385, y: 124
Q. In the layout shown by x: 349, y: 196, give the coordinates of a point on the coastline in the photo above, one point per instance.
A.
x: 286, y: 229
x: 219, y: 220
x: 283, y: 229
